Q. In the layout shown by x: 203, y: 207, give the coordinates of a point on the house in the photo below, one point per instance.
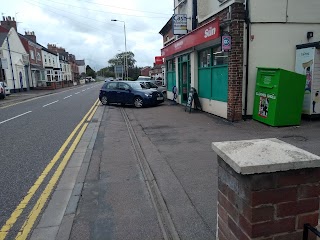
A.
x: 29, y: 42
x: 81, y: 66
x: 156, y: 72
x: 74, y: 68
x: 15, y: 60
x: 255, y: 33
x: 145, y: 71
x: 53, y: 79
x: 65, y: 64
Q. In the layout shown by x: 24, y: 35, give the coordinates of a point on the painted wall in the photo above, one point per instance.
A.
x: 17, y: 52
x: 293, y: 11
x: 82, y: 69
x: 208, y: 8
x: 49, y: 59
x: 274, y: 45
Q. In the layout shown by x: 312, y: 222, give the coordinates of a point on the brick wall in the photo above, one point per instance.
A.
x: 269, y: 206
x: 236, y: 55
x: 236, y: 63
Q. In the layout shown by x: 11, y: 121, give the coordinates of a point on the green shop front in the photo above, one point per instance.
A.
x: 196, y: 60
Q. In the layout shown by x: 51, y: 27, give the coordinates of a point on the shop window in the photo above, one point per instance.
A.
x: 213, y: 74
x: 220, y: 58
x: 205, y: 58
x: 170, y: 66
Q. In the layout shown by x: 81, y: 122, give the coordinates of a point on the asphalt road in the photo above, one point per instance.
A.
x: 31, y: 133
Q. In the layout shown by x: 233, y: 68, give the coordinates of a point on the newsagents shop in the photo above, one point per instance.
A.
x: 197, y: 60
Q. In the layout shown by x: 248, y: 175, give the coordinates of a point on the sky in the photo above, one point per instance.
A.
x: 84, y: 27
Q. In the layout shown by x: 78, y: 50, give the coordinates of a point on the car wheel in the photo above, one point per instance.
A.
x: 138, y: 102
x: 104, y: 100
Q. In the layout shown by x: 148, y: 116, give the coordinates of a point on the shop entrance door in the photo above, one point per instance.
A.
x: 184, y: 77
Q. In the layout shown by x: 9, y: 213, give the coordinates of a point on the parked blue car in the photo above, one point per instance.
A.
x: 133, y: 93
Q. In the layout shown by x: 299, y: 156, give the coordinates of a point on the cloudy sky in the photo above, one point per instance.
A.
x: 84, y: 27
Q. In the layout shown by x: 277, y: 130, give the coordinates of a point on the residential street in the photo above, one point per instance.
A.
x: 31, y: 134
x: 169, y: 150
x: 145, y: 173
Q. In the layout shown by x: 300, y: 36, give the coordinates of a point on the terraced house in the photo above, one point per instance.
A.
x: 26, y: 64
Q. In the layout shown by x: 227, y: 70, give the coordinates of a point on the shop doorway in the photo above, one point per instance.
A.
x: 184, y: 77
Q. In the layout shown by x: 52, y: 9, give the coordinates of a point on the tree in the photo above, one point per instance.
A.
x: 119, y: 59
x: 106, y: 72
x: 90, y: 72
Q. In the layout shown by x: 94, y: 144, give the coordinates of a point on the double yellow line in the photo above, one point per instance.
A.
x: 35, y: 212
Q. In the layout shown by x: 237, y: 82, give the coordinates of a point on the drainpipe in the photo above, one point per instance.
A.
x: 27, y: 76
x: 247, y: 20
x: 14, y: 82
x: 194, y: 14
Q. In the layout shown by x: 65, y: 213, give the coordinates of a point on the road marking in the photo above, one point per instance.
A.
x: 28, y: 100
x: 35, y: 212
x: 50, y: 103
x: 83, y: 90
x: 15, y: 117
x: 23, y: 204
x: 67, y: 97
x: 32, y: 217
x: 77, y: 92
x: 91, y: 115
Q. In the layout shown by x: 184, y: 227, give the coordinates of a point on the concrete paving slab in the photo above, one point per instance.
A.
x: 68, y: 178
x: 65, y: 227
x: 76, y: 159
x: 54, y: 212
x: 48, y: 233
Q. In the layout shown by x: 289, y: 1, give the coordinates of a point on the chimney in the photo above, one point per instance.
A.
x: 31, y: 36
x: 8, y: 23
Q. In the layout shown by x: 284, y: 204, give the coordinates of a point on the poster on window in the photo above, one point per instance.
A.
x: 308, y: 63
x: 263, y: 107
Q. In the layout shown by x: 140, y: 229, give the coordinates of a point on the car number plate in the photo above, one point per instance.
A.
x: 159, y: 98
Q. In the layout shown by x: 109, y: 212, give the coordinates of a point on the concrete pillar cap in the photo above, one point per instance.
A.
x: 264, y: 155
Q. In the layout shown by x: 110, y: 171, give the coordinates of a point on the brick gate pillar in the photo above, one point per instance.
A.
x: 267, y: 190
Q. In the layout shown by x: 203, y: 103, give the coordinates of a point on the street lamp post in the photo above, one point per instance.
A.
x: 125, y: 47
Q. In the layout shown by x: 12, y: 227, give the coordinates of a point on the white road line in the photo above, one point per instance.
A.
x: 15, y: 117
x: 77, y: 92
x: 50, y: 103
x: 83, y: 90
x: 67, y: 97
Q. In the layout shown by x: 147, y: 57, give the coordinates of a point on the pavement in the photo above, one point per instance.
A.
x: 150, y: 173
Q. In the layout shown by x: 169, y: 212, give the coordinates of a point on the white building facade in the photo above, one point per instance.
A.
x: 16, y: 61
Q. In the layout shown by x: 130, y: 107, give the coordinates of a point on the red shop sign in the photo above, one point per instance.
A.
x: 207, y: 32
x: 158, y: 60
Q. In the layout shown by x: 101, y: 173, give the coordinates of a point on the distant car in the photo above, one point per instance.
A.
x: 108, y: 79
x: 144, y: 78
x: 152, y: 84
x: 4, y: 91
x: 129, y: 92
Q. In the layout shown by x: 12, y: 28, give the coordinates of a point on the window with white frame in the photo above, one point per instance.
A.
x: 32, y: 54
x: 38, y: 56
